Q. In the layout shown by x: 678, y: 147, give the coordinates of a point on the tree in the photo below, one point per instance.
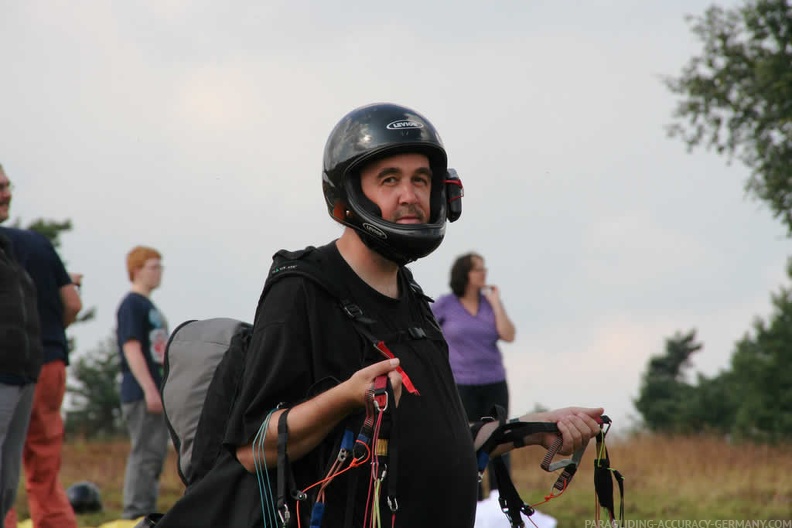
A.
x: 713, y: 404
x: 737, y: 95
x: 95, y: 406
x: 751, y: 400
x: 665, y: 396
x: 49, y: 228
x: 762, y: 373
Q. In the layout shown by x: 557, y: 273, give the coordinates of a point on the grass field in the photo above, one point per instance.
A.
x: 666, y: 479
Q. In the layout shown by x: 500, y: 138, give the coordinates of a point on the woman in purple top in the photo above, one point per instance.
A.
x: 473, y: 321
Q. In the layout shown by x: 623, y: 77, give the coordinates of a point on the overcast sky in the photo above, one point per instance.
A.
x: 197, y: 127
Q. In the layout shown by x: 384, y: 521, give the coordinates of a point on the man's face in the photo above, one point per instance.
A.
x: 401, y: 186
x: 5, y: 197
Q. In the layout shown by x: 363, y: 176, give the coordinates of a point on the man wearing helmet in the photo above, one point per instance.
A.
x: 309, y: 375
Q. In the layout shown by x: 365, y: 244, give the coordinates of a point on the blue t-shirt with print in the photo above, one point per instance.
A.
x: 139, y: 320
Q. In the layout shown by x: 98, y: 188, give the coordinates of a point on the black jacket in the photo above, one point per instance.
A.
x: 20, y: 336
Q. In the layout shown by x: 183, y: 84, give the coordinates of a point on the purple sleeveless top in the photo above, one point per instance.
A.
x: 472, y: 341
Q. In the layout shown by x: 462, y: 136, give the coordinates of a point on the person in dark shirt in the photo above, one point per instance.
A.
x: 142, y: 333
x: 20, y: 357
x: 58, y: 304
x: 309, y: 375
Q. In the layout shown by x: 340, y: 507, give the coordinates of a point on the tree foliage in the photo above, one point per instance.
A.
x: 762, y: 368
x: 665, y: 395
x: 736, y: 96
x: 751, y: 400
x: 95, y: 409
x: 51, y: 229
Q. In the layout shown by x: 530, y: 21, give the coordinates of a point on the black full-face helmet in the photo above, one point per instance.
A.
x: 84, y: 497
x: 373, y: 132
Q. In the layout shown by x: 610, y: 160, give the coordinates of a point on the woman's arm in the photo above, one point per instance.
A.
x: 503, y: 324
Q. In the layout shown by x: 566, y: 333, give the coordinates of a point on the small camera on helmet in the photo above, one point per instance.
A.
x: 454, y: 193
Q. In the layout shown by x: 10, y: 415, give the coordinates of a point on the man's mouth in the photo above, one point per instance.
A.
x: 408, y: 220
x: 411, y: 215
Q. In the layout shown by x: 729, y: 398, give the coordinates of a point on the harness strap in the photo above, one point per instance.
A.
x: 283, y: 469
x: 603, y: 483
x: 285, y: 475
x: 387, y: 448
x: 509, y: 499
x: 378, y: 398
x: 354, y: 312
x: 513, y: 431
x: 363, y: 440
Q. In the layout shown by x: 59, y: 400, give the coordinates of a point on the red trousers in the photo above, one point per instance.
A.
x: 49, y: 506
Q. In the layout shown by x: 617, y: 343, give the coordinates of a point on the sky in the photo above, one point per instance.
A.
x: 198, y: 127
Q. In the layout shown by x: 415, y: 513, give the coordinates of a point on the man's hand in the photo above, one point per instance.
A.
x: 577, y: 426
x: 312, y: 420
x: 360, y: 382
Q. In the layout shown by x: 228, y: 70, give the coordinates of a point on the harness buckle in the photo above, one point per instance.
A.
x: 381, y: 401
x: 379, y: 393
x: 382, y: 471
x: 555, y: 466
x: 566, y: 477
x: 515, y: 520
x: 416, y: 332
x: 393, y: 504
x: 352, y: 310
x: 283, y: 513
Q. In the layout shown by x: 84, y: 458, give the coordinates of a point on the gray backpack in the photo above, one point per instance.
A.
x: 204, y: 361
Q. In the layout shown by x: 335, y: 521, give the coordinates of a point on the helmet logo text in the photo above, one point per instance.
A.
x: 402, y: 124
x: 374, y: 230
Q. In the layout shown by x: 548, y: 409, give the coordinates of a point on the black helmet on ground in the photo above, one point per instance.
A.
x: 371, y: 133
x: 84, y: 497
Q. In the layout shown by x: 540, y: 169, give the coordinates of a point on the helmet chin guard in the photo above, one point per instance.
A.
x: 371, y: 133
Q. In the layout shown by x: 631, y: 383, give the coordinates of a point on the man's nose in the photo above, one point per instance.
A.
x: 408, y: 194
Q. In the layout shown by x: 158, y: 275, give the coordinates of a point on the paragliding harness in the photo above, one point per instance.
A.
x: 372, y: 445
x: 515, y: 431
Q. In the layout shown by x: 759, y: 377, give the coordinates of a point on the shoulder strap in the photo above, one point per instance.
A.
x: 308, y: 263
x: 433, y: 328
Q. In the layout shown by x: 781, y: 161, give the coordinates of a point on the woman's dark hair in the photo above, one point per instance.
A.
x: 459, y: 273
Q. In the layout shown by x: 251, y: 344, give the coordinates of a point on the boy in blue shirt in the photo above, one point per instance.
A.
x: 142, y: 335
